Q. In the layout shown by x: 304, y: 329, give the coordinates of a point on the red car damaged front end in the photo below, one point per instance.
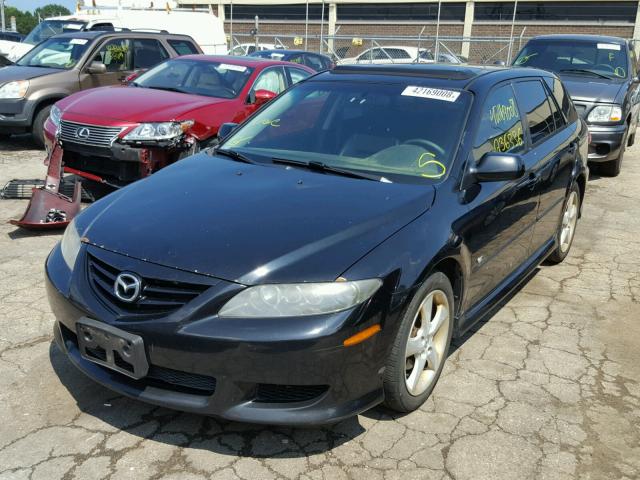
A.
x: 116, y: 153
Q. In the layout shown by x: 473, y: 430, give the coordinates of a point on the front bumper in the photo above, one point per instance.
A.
x: 271, y: 371
x: 15, y: 115
x: 606, y: 142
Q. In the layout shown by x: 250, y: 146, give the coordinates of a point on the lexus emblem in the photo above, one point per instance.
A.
x: 83, y: 132
x: 127, y: 287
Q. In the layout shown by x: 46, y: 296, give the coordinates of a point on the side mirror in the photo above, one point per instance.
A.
x: 496, y: 167
x: 96, y: 68
x: 261, y: 97
x: 500, y: 63
x: 225, y: 129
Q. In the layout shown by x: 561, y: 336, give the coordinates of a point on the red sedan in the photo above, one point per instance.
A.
x: 116, y: 135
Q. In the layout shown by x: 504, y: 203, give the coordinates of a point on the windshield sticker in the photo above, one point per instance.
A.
x: 78, y: 41
x: 608, y: 46
x: 435, y: 168
x: 73, y: 26
x: 234, y: 68
x: 432, y: 93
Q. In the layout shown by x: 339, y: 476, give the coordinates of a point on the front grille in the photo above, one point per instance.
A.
x: 270, y: 393
x: 158, y: 296
x: 96, y: 136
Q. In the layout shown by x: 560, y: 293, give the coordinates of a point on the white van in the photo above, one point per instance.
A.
x: 205, y: 28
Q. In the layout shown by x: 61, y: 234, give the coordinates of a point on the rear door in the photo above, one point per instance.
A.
x: 551, y: 157
x: 503, y: 213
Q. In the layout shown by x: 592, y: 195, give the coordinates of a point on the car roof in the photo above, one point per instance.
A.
x: 91, y: 34
x: 455, y: 76
x: 238, y: 60
x: 584, y: 38
x: 286, y: 51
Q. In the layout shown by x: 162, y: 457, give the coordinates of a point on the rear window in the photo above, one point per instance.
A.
x: 183, y: 47
x: 591, y: 59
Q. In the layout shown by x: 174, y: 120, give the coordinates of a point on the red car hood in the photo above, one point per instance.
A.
x: 131, y: 105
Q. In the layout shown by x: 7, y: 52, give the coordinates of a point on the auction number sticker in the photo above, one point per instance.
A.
x: 432, y: 93
x: 234, y: 68
x: 78, y: 41
x: 608, y: 46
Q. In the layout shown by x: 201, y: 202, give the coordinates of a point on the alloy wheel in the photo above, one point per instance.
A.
x: 427, y: 343
x: 569, y: 221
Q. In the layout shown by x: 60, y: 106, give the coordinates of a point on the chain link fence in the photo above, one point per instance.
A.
x: 345, y: 49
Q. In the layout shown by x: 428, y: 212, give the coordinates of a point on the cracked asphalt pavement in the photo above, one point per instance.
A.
x: 548, y: 388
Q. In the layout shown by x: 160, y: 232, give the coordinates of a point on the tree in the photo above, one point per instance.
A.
x: 51, y: 10
x: 25, y: 21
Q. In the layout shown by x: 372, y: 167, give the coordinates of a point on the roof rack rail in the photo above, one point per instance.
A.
x: 147, y: 30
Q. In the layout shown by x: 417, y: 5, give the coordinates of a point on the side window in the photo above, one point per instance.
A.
x: 183, y: 47
x: 314, y: 62
x: 115, y: 54
x: 533, y: 101
x: 296, y: 59
x: 557, y: 115
x: 297, y: 74
x: 147, y: 53
x: 563, y: 99
x: 370, y: 54
x: 271, y: 79
x: 397, y: 53
x: 500, y: 127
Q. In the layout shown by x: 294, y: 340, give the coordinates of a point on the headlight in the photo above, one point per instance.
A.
x: 158, y: 131
x: 70, y: 245
x: 605, y: 113
x: 14, y: 89
x: 54, y: 116
x: 295, y: 300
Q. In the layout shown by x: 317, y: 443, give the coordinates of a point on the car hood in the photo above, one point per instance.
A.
x: 251, y: 223
x: 591, y: 90
x: 16, y: 72
x: 131, y: 104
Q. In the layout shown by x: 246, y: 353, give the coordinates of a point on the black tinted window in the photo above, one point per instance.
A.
x: 314, y: 62
x: 557, y: 115
x: 563, y: 100
x: 533, y: 101
x: 148, y: 53
x: 183, y: 47
x: 500, y: 127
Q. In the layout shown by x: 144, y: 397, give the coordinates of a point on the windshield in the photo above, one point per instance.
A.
x: 198, y: 77
x: 602, y: 59
x: 48, y: 28
x: 403, y: 132
x: 55, y: 53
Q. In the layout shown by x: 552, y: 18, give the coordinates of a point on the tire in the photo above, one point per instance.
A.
x: 37, y: 129
x: 402, y: 369
x: 612, y: 167
x: 566, y: 226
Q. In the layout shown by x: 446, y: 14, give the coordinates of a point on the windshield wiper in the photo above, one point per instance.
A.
x: 168, y: 89
x: 232, y: 154
x: 583, y: 70
x: 323, y: 167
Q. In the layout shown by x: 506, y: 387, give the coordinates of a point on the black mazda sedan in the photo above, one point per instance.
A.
x: 320, y: 259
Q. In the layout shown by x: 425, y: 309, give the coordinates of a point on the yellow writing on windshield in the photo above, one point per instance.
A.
x: 524, y: 59
x: 508, y: 140
x: 500, y: 113
x: 272, y: 123
x: 436, y: 168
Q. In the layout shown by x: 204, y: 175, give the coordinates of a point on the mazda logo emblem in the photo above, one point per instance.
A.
x: 127, y: 287
x: 83, y: 132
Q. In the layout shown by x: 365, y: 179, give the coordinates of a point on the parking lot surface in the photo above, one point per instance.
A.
x: 549, y: 387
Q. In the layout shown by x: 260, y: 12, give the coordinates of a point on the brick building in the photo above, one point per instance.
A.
x: 472, y: 18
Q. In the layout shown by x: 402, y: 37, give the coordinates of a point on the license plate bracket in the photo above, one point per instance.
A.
x: 111, y: 347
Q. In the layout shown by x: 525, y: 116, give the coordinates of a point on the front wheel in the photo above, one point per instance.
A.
x: 421, y: 346
x: 612, y: 167
x: 567, y: 228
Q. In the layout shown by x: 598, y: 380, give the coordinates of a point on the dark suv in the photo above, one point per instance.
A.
x: 601, y: 76
x: 66, y: 63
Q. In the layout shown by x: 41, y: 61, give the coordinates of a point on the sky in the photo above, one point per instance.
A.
x: 31, y: 5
